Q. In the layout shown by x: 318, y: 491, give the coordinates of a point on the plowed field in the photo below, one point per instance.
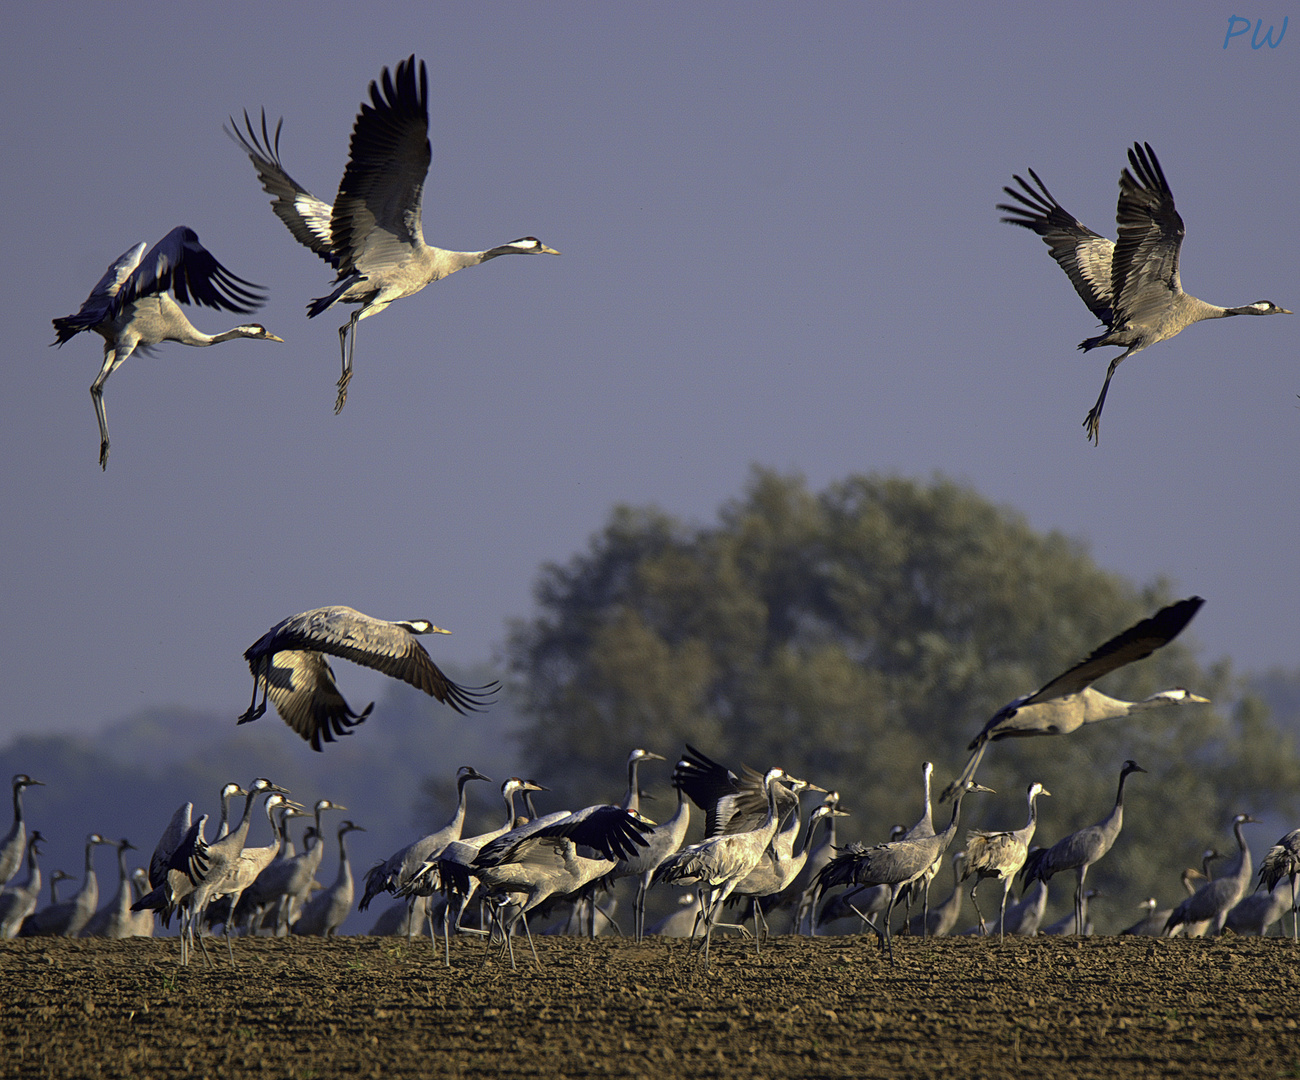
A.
x: 827, y: 1007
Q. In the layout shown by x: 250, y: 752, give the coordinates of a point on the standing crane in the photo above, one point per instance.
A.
x: 286, y: 883
x: 632, y: 800
x: 19, y: 901
x: 895, y: 864
x: 722, y: 861
x: 555, y: 855
x: 1283, y: 858
x: 398, y: 869
x: 67, y: 917
x: 1081, y: 849
x: 805, y: 917
x: 132, y: 307
x: 15, y: 840
x: 1000, y: 855
x: 1068, y: 702
x: 324, y: 913
x: 114, y: 919
x: 289, y: 666
x: 1132, y: 286
x: 372, y: 235
x: 661, y: 841
x: 1213, y: 900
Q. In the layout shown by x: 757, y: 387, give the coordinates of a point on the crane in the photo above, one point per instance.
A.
x: 15, y: 840
x: 372, y: 235
x: 1152, y: 924
x: 19, y: 901
x: 555, y: 855
x: 1081, y: 849
x: 450, y: 868
x: 243, y: 869
x: 1000, y: 855
x: 896, y: 864
x: 324, y: 913
x: 805, y: 919
x: 1024, y: 918
x: 1133, y: 285
x: 1068, y: 702
x: 398, y: 869
x: 632, y: 800
x: 289, y: 666
x: 67, y: 917
x: 1213, y: 900
x: 114, y: 919
x: 661, y: 841
x: 723, y: 860
x: 286, y: 883
x: 132, y: 307
x: 924, y: 827
x: 1283, y: 858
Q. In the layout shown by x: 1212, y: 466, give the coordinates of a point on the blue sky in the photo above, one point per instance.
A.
x: 779, y: 247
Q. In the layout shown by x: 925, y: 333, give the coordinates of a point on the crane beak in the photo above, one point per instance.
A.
x: 544, y: 250
x: 272, y: 337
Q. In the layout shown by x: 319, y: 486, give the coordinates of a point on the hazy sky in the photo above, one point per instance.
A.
x: 779, y: 247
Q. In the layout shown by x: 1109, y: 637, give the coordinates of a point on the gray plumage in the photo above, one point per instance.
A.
x: 555, y: 855
x: 115, y: 920
x: 1283, y: 860
x: 1024, y: 918
x: 1068, y: 702
x: 896, y: 864
x: 1132, y: 286
x: 19, y: 901
x: 395, y: 872
x: 372, y: 235
x: 289, y: 667
x: 1212, y: 901
x: 15, y: 840
x: 1081, y: 849
x: 720, y: 862
x: 324, y: 913
x: 632, y: 800
x: 780, y: 864
x: 1256, y: 912
x: 67, y: 917
x: 805, y: 918
x: 134, y: 306
x: 662, y: 840
x: 287, y: 883
x: 1000, y: 855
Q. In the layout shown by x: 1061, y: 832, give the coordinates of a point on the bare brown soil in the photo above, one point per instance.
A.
x: 829, y: 1007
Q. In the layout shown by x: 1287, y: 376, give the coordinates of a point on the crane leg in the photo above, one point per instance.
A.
x: 983, y: 928
x: 347, y: 345
x: 1092, y: 422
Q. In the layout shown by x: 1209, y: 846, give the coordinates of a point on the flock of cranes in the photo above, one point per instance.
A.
x: 760, y: 847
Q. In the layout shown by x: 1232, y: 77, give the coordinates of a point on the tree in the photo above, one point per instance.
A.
x: 851, y: 634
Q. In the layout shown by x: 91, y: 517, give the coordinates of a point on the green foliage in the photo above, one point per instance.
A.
x: 849, y: 635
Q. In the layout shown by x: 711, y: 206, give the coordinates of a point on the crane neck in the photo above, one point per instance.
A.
x: 121, y: 864
x: 18, y: 805
x: 90, y: 858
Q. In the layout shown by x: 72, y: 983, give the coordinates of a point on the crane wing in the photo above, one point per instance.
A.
x: 1084, y: 255
x: 387, y: 647
x: 180, y: 263
x: 376, y: 217
x: 1135, y: 643
x: 98, y: 306
x: 1144, y: 271
x: 304, y: 215
x: 301, y: 684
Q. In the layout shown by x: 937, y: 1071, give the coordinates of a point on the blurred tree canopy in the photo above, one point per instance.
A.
x: 850, y: 635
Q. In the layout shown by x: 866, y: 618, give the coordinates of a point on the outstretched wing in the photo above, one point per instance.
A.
x: 1135, y: 643
x: 180, y: 263
x: 377, y: 212
x: 305, y: 216
x: 1084, y: 255
x: 1145, y: 269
